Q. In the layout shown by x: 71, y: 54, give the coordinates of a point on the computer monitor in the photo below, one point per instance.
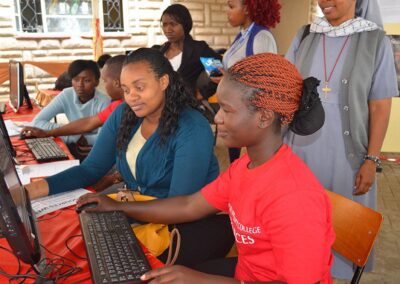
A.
x: 6, y: 137
x: 17, y: 220
x: 18, y: 91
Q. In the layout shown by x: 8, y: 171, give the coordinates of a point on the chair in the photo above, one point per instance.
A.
x: 356, y: 228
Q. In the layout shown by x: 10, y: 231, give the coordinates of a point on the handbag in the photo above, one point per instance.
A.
x: 155, y: 237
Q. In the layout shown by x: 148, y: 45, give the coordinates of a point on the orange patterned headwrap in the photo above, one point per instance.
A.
x: 277, y: 82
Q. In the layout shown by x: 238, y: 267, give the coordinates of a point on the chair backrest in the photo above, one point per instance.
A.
x: 356, y: 227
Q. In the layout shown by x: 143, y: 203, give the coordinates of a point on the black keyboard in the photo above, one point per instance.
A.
x: 113, y: 250
x: 45, y: 149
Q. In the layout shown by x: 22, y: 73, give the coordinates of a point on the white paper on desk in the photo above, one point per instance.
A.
x: 52, y: 203
x: 12, y: 128
x: 26, y: 172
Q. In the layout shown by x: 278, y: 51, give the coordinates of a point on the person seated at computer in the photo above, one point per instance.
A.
x: 110, y: 76
x: 184, y: 52
x: 161, y: 144
x: 280, y: 213
x: 81, y: 100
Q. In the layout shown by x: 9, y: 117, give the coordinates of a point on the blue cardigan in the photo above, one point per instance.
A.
x: 183, y: 165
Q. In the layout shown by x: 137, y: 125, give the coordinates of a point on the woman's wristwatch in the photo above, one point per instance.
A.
x: 376, y: 160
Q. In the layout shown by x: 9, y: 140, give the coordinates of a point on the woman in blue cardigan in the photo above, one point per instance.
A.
x: 162, y: 147
x: 160, y: 144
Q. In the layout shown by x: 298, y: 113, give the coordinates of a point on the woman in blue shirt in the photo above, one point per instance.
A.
x: 160, y: 144
x: 162, y: 147
x: 83, y: 99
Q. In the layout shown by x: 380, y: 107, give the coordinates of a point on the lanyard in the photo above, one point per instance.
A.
x: 236, y: 45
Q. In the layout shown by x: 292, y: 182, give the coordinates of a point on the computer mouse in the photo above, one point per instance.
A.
x: 22, y: 136
x: 86, y: 206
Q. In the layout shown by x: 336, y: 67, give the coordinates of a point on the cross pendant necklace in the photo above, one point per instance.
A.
x: 326, y: 88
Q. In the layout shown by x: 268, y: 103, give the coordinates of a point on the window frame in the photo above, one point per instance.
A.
x: 17, y: 16
x: 125, y: 19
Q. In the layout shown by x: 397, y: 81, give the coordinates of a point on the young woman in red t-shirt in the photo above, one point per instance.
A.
x: 280, y: 214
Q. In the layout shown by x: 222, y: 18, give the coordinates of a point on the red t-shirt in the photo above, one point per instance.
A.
x: 281, y: 218
x: 105, y: 113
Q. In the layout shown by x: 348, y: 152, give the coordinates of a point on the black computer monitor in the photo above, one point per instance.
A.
x: 17, y: 220
x: 6, y: 137
x: 18, y: 91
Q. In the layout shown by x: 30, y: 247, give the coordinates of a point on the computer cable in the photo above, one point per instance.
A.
x: 72, y: 268
x: 70, y: 249
x: 17, y: 277
x: 57, y: 269
x: 49, y: 218
x: 11, y: 252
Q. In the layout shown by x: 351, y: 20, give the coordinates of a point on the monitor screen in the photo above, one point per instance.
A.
x: 16, y: 77
x: 17, y: 221
x: 6, y: 137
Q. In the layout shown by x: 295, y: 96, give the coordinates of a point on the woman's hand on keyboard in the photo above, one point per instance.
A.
x: 104, y: 203
x: 30, y: 132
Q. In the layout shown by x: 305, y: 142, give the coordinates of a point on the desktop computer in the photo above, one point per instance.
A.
x: 18, y: 91
x: 18, y: 226
x: 17, y: 221
x: 6, y: 137
x: 113, y: 251
x: 43, y: 149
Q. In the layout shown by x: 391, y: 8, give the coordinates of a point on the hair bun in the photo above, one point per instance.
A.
x: 311, y: 115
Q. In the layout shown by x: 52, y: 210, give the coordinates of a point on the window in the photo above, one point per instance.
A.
x: 66, y: 16
x: 112, y: 16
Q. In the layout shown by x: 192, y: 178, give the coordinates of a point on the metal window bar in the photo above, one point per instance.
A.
x: 113, y: 16
x: 31, y: 16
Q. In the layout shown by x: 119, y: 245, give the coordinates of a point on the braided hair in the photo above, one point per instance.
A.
x: 274, y: 83
x: 271, y: 82
x: 264, y: 12
x: 177, y: 97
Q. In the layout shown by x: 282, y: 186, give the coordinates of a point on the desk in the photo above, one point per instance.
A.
x: 23, y: 114
x: 54, y: 68
x: 55, y: 228
x: 44, y: 96
x: 24, y: 155
x: 3, y: 72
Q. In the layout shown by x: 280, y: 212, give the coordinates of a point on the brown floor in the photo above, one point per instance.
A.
x: 387, y: 261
